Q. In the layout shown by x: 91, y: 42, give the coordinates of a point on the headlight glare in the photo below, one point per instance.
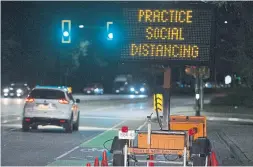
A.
x: 19, y: 91
x: 6, y: 90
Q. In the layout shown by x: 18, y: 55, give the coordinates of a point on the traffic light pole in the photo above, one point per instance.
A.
x: 201, y: 94
x: 197, y: 92
x: 166, y: 94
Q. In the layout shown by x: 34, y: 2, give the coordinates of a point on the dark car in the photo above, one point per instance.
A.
x: 16, y: 90
x: 94, y: 88
x: 120, y: 87
x: 138, y: 88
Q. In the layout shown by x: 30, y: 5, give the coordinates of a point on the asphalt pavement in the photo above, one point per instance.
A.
x: 99, y: 122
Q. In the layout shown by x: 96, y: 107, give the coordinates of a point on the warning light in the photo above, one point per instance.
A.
x: 192, y: 131
x: 124, y: 129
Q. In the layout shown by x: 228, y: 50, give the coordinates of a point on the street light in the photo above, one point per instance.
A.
x: 81, y: 26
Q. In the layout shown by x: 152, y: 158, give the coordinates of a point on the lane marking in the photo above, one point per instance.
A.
x: 144, y: 124
x: 63, y: 155
x: 12, y: 120
x: 86, y: 128
x: 5, y: 115
x: 105, y: 117
x: 229, y: 119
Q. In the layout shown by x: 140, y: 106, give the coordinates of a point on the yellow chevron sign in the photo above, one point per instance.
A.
x: 158, y: 102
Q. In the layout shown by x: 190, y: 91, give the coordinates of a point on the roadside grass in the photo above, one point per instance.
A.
x: 235, y: 97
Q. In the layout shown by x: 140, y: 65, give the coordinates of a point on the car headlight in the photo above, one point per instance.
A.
x: 131, y: 89
x: 142, y: 89
x: 19, y: 91
x: 96, y: 90
x: 6, y: 90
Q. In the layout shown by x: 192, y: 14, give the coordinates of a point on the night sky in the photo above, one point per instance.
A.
x: 36, y: 27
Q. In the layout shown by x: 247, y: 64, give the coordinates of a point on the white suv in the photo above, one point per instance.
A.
x: 51, y: 105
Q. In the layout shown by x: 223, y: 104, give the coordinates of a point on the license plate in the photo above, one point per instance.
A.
x: 43, y: 107
x: 127, y: 135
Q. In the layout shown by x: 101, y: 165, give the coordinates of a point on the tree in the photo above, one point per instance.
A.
x: 236, y: 42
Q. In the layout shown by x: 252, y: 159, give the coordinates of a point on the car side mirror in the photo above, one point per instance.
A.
x: 77, y: 100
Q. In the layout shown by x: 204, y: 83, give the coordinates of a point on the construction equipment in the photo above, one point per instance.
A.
x: 182, y: 136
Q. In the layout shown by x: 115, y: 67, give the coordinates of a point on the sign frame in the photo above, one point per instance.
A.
x: 172, y: 5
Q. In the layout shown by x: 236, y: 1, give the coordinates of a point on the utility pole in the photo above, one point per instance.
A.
x: 166, y: 108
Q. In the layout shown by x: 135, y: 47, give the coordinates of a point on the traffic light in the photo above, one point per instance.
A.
x: 66, y: 31
x: 109, y: 30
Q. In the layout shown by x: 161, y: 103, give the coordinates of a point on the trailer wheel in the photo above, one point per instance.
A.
x: 118, y: 160
x: 117, y: 151
x: 202, y: 148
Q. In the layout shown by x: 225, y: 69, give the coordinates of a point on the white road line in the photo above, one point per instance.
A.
x: 12, y: 120
x: 229, y: 119
x: 112, y: 128
x: 66, y: 153
x: 101, y: 117
x: 10, y: 115
x: 144, y: 124
x: 87, y: 128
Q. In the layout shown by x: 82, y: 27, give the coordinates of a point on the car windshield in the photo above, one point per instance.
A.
x: 118, y: 84
x: 47, y: 94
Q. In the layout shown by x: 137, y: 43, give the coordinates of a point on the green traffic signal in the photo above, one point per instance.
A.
x: 66, y: 31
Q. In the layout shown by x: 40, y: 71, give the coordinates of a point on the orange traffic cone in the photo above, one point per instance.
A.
x: 214, y: 161
x: 104, y: 159
x: 88, y: 164
x: 151, y: 157
x: 96, y: 162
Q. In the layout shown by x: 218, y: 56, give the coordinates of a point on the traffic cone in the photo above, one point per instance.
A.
x: 96, y: 162
x: 88, y: 164
x: 104, y: 159
x: 214, y: 161
x: 151, y: 157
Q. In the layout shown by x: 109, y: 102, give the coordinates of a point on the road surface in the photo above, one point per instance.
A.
x: 99, y: 122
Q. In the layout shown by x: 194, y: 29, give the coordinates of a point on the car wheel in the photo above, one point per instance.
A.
x: 69, y: 126
x: 76, y: 125
x: 25, y: 126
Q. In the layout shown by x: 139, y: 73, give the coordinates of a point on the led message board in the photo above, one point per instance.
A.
x: 167, y: 34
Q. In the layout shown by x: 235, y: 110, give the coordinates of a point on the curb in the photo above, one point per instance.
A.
x: 212, y: 118
x: 229, y: 119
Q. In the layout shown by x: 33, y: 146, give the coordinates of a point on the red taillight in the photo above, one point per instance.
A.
x: 27, y: 119
x: 62, y: 121
x: 63, y: 101
x: 29, y: 100
x: 124, y: 129
x: 192, y: 131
